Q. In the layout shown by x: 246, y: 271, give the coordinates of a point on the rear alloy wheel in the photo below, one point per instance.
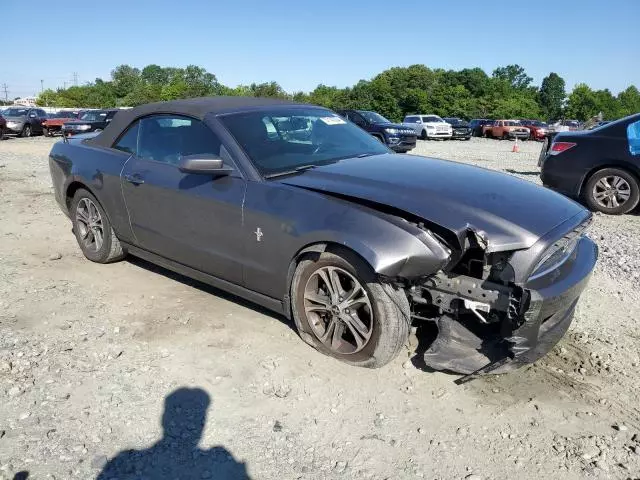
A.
x: 26, y: 131
x: 612, y: 191
x: 341, y: 309
x: 93, y: 230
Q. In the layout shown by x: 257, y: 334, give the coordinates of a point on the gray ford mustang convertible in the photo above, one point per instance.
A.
x: 300, y: 211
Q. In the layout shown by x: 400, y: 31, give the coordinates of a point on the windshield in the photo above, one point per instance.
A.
x: 15, y: 112
x: 432, y: 118
x: 94, y: 116
x: 283, y: 139
x: 511, y: 123
x: 373, y: 117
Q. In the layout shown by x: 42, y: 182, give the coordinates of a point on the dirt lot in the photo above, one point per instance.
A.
x: 88, y: 354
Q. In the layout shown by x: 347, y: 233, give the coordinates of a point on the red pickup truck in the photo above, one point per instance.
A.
x: 53, y: 125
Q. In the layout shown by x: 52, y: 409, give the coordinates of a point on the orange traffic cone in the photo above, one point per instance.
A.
x: 516, y: 147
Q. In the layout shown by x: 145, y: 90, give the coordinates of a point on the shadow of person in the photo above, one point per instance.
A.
x: 177, y: 455
x: 21, y: 475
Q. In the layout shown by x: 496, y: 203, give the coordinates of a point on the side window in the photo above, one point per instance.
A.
x: 357, y: 119
x: 129, y: 141
x: 168, y: 138
x: 410, y: 120
x: 42, y: 113
x: 633, y: 134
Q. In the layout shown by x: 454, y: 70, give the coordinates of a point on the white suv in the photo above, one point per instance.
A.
x: 429, y: 126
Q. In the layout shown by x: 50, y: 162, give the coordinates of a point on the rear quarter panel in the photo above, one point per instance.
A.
x: 98, y: 170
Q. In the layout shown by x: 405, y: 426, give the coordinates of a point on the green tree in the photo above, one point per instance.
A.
x: 515, y: 75
x: 582, y: 103
x: 552, y: 96
x: 629, y: 101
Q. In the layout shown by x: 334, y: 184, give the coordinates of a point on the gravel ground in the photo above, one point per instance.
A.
x: 90, y: 356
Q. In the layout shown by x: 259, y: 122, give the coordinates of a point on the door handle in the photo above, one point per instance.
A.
x: 136, y: 179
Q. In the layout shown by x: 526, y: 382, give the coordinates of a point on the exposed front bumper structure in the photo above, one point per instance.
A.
x: 533, y: 329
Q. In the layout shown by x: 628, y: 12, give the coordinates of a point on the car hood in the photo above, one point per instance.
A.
x: 436, y: 123
x: 391, y: 125
x: 512, y: 213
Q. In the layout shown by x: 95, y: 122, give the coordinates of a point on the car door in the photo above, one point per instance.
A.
x: 193, y: 219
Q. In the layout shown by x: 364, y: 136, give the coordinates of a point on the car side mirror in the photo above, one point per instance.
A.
x: 418, y: 121
x: 204, y: 164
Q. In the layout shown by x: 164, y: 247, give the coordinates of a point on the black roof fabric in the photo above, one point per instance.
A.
x: 195, y: 107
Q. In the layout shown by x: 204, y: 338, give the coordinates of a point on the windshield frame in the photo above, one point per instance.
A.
x: 305, y: 163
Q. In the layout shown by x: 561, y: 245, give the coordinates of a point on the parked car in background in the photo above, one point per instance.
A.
x: 477, y: 125
x: 53, y: 124
x: 349, y: 241
x: 600, y: 166
x: 428, y: 127
x: 505, y: 130
x: 537, y: 129
x: 91, y: 121
x: 461, y: 129
x: 3, y: 126
x: 398, y: 137
x: 24, y: 121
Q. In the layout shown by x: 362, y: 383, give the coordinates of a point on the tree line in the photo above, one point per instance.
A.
x: 468, y: 93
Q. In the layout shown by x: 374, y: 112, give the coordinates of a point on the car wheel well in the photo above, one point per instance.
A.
x: 71, y: 191
x: 311, y: 249
x: 625, y: 168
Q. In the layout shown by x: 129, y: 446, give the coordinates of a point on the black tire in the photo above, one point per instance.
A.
x: 45, y: 132
x: 111, y: 250
x: 423, y: 135
x: 26, y: 131
x: 1, y: 133
x: 627, y: 206
x: 391, y: 316
x: 505, y: 136
x: 487, y: 134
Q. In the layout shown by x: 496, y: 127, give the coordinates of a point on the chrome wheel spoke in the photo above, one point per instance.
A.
x: 328, y: 331
x: 336, y: 338
x: 358, y: 330
x: 97, y: 234
x: 335, y: 282
x: 323, y: 274
x: 624, y: 195
x: 600, y: 195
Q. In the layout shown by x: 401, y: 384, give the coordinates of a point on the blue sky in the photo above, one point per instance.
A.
x: 301, y: 43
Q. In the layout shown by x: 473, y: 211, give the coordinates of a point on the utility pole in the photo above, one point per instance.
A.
x: 65, y: 85
x: 41, y: 86
x: 6, y: 92
x: 75, y: 78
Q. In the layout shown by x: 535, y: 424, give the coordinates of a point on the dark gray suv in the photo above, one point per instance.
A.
x: 24, y: 121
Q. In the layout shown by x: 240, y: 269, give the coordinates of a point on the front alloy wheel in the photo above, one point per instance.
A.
x: 341, y: 308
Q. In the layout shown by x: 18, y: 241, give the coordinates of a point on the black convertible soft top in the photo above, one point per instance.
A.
x: 194, y: 107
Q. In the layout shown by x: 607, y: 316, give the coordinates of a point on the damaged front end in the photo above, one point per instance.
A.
x: 495, y: 311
